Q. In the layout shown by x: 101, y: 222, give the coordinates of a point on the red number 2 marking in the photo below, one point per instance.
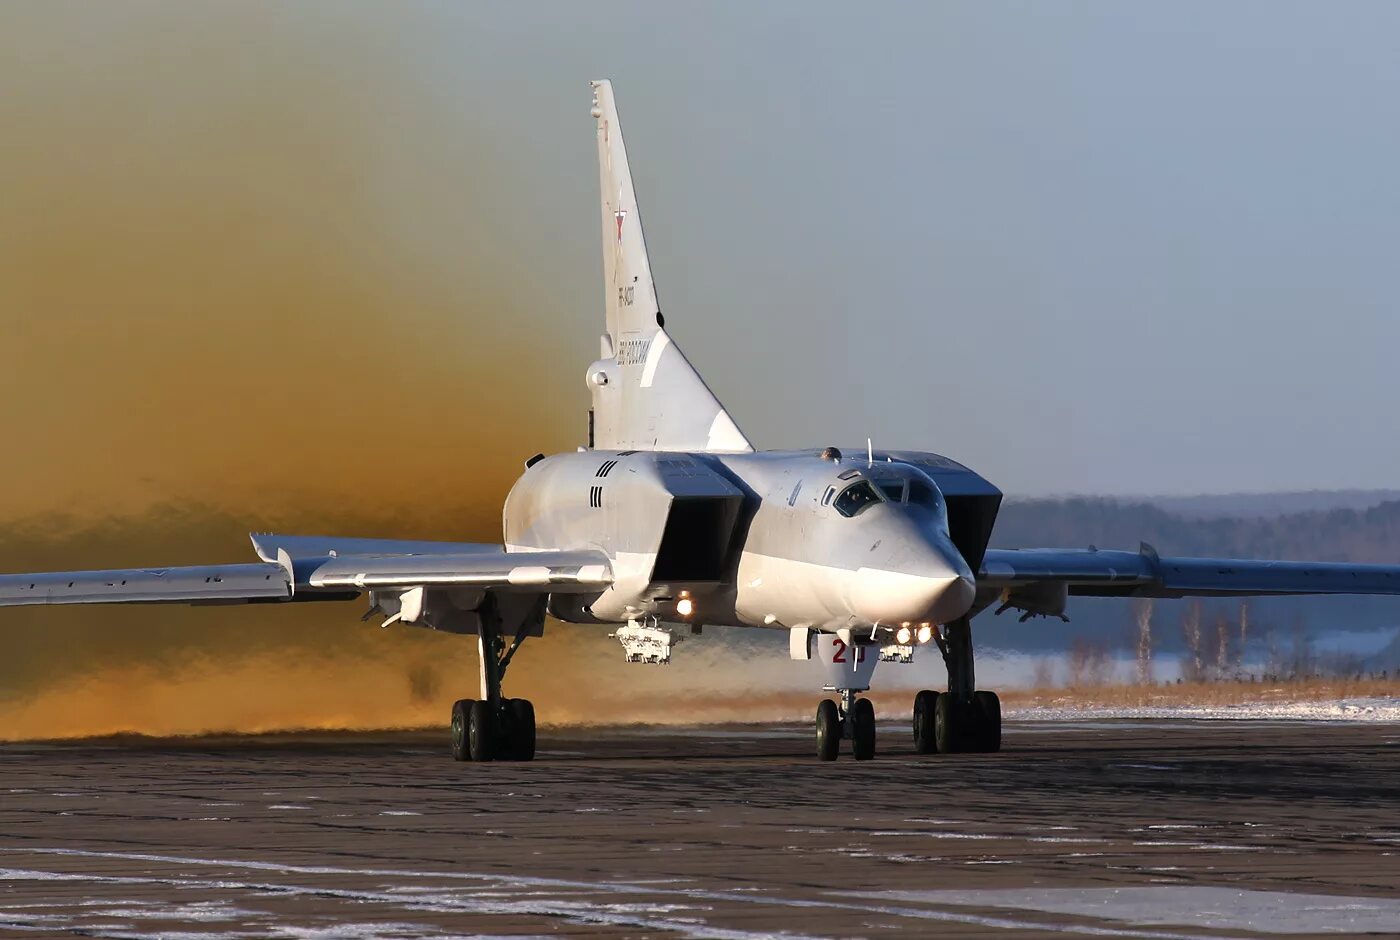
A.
x: 840, y: 655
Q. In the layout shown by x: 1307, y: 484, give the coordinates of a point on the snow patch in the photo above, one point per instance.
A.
x: 1276, y: 912
x: 1383, y: 710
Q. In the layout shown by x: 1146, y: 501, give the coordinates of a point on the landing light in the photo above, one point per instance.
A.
x: 902, y: 635
x: 685, y: 607
x: 925, y: 633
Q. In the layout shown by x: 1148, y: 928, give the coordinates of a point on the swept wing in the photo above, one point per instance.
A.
x: 305, y: 568
x: 1144, y: 573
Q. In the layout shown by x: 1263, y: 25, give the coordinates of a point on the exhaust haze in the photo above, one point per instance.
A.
x: 251, y: 279
x: 239, y: 267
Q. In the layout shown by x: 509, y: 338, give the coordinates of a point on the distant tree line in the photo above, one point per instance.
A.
x: 1369, y: 536
x: 1211, y: 652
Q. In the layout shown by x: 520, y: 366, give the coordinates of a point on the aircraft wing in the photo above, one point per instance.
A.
x: 208, y: 584
x: 1144, y: 573
x: 309, y: 568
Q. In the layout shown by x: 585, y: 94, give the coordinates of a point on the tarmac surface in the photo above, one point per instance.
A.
x: 1105, y: 828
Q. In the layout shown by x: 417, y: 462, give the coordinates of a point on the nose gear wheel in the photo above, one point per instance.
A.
x: 853, y: 719
x: 828, y: 730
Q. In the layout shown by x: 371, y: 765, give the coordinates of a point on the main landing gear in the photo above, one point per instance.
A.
x: 495, y: 727
x: 961, y: 720
x: 853, y: 719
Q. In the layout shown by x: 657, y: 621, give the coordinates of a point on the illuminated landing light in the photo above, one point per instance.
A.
x: 925, y: 633
x: 903, y: 635
x: 685, y: 607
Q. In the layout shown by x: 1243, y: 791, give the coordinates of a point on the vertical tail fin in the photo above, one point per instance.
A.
x: 646, y: 394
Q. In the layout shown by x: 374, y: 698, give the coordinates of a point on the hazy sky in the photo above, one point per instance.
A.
x: 1083, y: 247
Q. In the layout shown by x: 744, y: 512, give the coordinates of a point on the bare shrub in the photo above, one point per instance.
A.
x: 1193, y: 666
x: 1222, y: 646
x: 1142, y: 612
x: 1043, y: 676
x: 1088, y: 664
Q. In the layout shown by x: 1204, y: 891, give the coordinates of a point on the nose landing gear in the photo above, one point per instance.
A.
x: 853, y: 719
x: 849, y: 663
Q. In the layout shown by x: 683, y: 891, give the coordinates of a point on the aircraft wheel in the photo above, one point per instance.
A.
x: 863, y: 729
x: 481, y: 731
x: 925, y: 722
x: 987, y: 708
x: 460, y: 710
x: 522, y: 729
x: 948, y: 717
x: 828, y: 730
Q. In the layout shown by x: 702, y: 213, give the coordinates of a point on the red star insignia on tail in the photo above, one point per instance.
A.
x: 620, y: 215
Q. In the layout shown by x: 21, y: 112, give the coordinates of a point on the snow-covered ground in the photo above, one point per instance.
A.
x: 1352, y: 709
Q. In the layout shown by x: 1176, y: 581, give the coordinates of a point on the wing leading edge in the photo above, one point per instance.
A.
x: 1146, y: 574
x: 206, y: 584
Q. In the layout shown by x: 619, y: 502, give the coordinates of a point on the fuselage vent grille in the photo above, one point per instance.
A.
x: 679, y: 467
x: 595, y: 497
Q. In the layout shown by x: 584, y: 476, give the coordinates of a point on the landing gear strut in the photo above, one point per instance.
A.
x: 853, y: 719
x: 495, y: 727
x: 961, y: 720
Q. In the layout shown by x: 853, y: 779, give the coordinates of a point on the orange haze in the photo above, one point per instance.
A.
x: 256, y: 273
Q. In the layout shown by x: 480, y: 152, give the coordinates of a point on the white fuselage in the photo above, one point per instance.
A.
x: 763, y: 539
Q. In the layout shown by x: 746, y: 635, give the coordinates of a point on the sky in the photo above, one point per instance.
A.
x: 1084, y: 248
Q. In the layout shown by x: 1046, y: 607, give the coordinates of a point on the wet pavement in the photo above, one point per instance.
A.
x: 1099, y: 828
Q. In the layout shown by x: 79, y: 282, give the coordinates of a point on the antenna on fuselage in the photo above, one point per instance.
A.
x: 869, y: 454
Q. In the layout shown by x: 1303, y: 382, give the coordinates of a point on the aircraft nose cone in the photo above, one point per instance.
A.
x: 955, y: 600
x: 896, y: 597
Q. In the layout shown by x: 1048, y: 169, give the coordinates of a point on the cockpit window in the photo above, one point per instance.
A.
x: 922, y: 494
x: 893, y: 489
x: 855, y: 498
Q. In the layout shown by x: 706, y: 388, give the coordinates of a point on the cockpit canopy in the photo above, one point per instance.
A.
x: 907, y: 487
x: 856, y: 497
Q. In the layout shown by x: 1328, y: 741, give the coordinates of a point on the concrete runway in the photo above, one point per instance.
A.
x: 1114, y: 828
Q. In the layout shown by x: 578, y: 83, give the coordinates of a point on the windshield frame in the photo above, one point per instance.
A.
x: 862, y: 484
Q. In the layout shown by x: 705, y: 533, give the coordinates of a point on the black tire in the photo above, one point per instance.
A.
x: 863, y: 729
x: 925, y: 722
x: 987, y: 708
x: 948, y: 733
x: 481, y: 731
x: 828, y: 730
x: 522, y: 729
x: 460, y: 710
